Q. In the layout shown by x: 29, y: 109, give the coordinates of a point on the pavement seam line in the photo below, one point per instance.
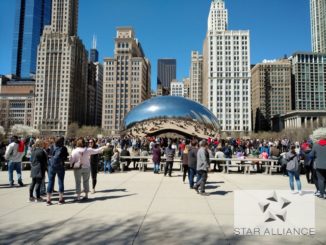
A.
x: 149, y: 206
x: 82, y: 210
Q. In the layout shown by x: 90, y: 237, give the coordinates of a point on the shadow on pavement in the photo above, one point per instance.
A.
x: 220, y: 193
x: 163, y: 230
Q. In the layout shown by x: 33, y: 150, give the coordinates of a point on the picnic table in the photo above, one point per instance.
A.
x: 142, y: 162
x: 247, y: 163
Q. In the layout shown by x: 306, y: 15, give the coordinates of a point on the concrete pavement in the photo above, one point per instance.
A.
x: 141, y: 208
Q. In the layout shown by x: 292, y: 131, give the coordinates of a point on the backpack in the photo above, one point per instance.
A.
x: 56, y: 160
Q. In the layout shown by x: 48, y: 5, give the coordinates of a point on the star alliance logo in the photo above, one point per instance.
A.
x: 280, y: 214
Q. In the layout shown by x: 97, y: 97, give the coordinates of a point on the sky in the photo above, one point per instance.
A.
x: 173, y: 28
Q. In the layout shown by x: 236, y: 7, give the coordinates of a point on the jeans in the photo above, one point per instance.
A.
x: 14, y: 166
x: 94, y: 167
x: 79, y: 173
x: 321, y: 175
x: 293, y: 174
x: 168, y: 167
x: 36, y: 183
x: 107, y: 166
x: 156, y: 167
x: 202, y: 180
x: 61, y: 176
x: 308, y: 171
x: 315, y: 179
x: 185, y: 171
x: 191, y: 176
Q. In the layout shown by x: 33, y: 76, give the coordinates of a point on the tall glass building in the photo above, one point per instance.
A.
x: 30, y: 19
x: 166, y: 72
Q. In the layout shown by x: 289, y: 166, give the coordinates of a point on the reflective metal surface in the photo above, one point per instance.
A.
x: 170, y: 114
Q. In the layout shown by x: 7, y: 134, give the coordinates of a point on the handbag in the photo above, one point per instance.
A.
x: 78, y: 164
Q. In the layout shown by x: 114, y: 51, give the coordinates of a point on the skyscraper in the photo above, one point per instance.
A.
x: 318, y: 25
x: 196, y: 77
x: 166, y: 72
x: 126, y: 81
x: 309, y: 72
x: 226, y: 71
x: 93, y: 57
x: 271, y: 91
x: 95, y: 88
x: 61, y: 78
x: 30, y: 18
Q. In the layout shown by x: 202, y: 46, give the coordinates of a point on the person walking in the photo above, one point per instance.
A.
x: 169, y: 154
x: 39, y: 160
x: 318, y: 154
x: 14, y: 157
x: 293, y: 169
x: 94, y: 161
x: 184, y: 157
x: 80, y: 161
x: 192, y: 163
x: 202, y: 167
x: 57, y: 167
x: 156, y: 158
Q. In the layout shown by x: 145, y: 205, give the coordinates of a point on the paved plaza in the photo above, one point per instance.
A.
x: 141, y: 208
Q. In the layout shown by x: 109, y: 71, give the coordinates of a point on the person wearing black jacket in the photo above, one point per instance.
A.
x: 192, y: 163
x: 39, y: 161
x: 94, y: 164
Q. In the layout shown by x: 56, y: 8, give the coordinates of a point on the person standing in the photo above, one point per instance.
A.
x: 192, y: 163
x: 80, y: 161
x: 169, y: 154
x: 94, y: 164
x: 57, y: 167
x: 293, y: 169
x: 14, y: 157
x: 107, y: 157
x: 39, y: 160
x: 156, y: 158
x: 318, y: 153
x: 202, y: 167
x: 184, y: 157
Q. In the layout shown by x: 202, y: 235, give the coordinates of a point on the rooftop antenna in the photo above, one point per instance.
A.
x: 94, y: 41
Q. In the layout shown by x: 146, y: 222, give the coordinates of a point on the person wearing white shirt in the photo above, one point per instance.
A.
x: 80, y: 161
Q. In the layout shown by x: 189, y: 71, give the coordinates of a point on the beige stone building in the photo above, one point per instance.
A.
x: 196, y: 77
x: 271, y: 92
x: 16, y: 104
x: 126, y: 79
x: 61, y: 77
x: 186, y: 87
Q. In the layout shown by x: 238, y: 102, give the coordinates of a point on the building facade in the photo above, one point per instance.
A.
x: 196, y: 77
x: 126, y: 79
x: 91, y: 95
x: 270, y: 91
x: 99, y: 94
x: 17, y: 104
x: 318, y: 25
x: 226, y: 71
x: 166, y: 72
x: 186, y: 87
x: 176, y: 88
x: 30, y: 18
x: 309, y: 88
x: 61, y: 80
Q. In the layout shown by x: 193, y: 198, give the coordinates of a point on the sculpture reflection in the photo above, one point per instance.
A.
x: 167, y: 114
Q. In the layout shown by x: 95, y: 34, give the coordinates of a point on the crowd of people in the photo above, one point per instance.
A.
x: 84, y: 155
